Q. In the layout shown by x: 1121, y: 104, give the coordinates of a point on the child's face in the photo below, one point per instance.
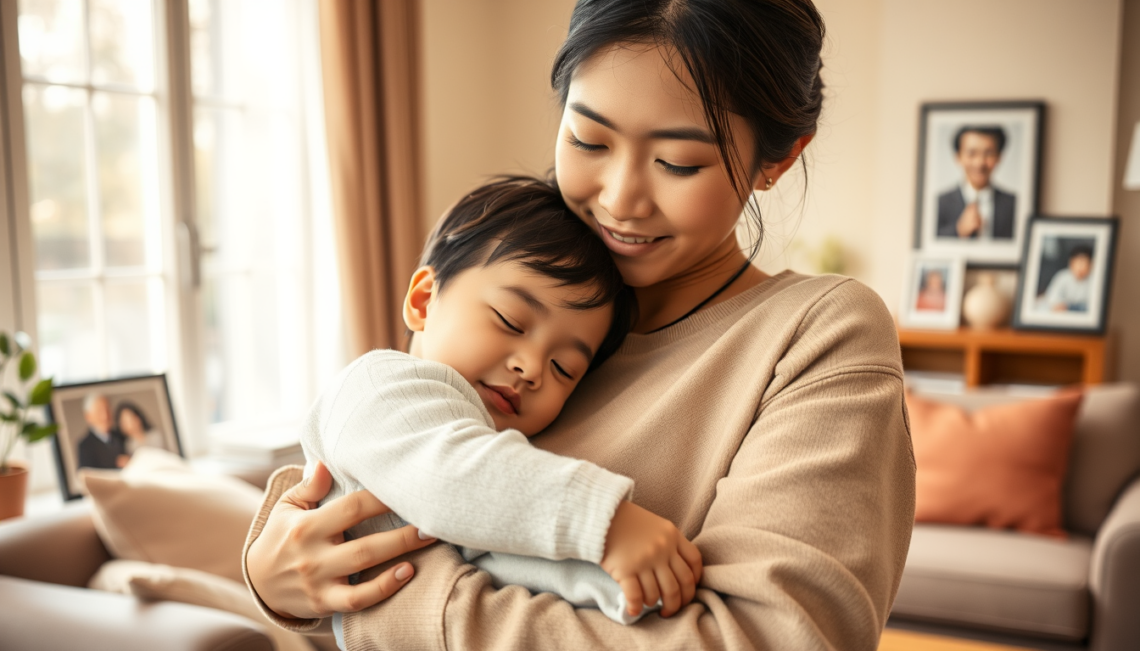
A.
x: 1080, y: 265
x: 507, y: 331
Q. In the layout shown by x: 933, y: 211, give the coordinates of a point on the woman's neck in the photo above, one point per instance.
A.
x: 662, y: 303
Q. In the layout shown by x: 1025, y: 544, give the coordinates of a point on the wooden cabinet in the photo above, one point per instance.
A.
x: 1006, y: 356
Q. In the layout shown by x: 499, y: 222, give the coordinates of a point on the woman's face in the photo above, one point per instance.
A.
x: 636, y: 160
x: 130, y: 424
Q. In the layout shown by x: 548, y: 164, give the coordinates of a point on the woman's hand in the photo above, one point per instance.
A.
x: 300, y: 563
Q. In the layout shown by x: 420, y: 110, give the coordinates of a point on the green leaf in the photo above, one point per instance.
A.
x: 41, y: 393
x: 42, y: 432
x: 5, y: 344
x: 10, y: 418
x: 16, y: 404
x: 27, y: 366
x: 28, y: 428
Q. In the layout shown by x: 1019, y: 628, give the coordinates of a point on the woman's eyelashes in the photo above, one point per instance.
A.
x: 676, y: 170
x: 679, y: 170
x: 584, y: 146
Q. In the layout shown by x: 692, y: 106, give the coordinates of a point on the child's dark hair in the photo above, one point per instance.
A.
x: 524, y: 219
x: 1081, y: 249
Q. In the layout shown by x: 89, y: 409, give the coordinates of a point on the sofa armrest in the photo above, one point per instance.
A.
x: 43, y: 616
x: 60, y: 547
x: 1115, y: 576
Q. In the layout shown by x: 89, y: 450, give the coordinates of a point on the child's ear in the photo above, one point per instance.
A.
x: 420, y: 292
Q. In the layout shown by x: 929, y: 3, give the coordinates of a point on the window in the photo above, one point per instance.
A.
x: 174, y: 171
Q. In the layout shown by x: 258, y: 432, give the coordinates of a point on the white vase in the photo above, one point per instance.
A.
x: 984, y: 305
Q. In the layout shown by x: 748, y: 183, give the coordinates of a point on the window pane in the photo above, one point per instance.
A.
x: 245, y: 50
x: 125, y: 146
x: 51, y: 40
x: 55, y: 131
x: 249, y: 204
x: 69, y: 342
x: 122, y: 42
x: 243, y: 375
x: 219, y: 163
x: 135, y: 327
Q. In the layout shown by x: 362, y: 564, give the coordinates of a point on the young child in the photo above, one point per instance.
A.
x: 1070, y: 288
x: 515, y: 302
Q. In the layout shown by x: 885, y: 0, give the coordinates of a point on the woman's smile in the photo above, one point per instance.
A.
x: 628, y: 244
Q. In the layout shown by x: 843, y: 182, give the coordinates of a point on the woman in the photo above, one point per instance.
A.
x: 762, y: 414
x: 135, y: 427
x: 931, y: 291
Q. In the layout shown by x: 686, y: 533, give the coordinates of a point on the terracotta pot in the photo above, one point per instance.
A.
x: 13, y: 489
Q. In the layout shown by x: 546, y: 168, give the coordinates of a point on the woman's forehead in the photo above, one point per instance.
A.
x: 637, y: 86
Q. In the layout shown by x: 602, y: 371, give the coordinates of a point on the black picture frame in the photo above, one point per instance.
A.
x: 940, y: 176
x: 1051, y: 251
x: 148, y: 395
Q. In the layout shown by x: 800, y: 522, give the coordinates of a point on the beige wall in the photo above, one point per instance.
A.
x: 488, y: 104
x: 490, y: 109
x: 1125, y: 306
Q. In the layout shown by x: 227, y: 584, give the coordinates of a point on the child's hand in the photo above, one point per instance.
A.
x: 651, y: 560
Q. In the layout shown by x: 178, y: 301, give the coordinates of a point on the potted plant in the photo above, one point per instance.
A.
x: 15, y: 418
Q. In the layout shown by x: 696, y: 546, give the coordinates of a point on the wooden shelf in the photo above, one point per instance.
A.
x: 1006, y: 356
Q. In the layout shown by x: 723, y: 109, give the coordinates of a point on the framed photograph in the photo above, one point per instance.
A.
x: 933, y: 295
x: 1066, y: 275
x: 101, y: 424
x: 979, y: 170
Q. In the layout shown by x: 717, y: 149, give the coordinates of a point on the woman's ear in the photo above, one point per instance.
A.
x: 421, y: 290
x: 769, y: 175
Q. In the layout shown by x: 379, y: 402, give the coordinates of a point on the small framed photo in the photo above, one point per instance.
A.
x: 1066, y: 275
x: 979, y: 170
x: 101, y: 424
x: 933, y: 296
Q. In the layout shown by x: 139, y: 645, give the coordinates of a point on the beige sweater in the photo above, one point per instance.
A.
x: 771, y: 429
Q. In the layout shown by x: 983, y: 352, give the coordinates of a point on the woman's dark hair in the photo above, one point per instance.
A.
x: 995, y: 132
x: 133, y: 408
x: 524, y: 219
x: 759, y: 59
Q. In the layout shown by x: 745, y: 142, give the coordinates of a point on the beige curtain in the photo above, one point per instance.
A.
x: 369, y: 53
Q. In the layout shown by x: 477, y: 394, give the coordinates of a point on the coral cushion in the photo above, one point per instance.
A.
x: 1001, y: 467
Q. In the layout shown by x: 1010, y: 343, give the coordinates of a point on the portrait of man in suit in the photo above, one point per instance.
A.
x: 975, y: 208
x: 104, y: 446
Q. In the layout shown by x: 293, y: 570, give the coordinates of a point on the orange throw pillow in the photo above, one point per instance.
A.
x: 1000, y: 467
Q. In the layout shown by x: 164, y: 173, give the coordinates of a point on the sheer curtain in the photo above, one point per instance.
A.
x: 369, y: 52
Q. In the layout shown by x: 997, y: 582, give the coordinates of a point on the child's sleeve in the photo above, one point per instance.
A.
x: 414, y: 434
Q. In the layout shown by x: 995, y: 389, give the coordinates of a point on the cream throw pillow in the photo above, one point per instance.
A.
x: 166, y: 583
x: 157, y: 509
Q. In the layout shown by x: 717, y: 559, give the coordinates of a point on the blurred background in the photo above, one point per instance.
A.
x: 173, y: 171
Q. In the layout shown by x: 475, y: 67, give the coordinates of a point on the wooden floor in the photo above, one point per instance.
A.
x: 896, y: 640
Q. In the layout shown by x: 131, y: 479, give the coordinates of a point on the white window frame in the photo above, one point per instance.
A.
x: 181, y: 252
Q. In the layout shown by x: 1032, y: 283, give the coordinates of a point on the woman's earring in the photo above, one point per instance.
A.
x: 768, y: 185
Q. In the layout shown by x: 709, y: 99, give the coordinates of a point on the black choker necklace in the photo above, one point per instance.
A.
x: 705, y: 302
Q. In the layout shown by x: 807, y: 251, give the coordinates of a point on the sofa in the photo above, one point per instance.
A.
x: 1033, y: 591
x: 46, y: 563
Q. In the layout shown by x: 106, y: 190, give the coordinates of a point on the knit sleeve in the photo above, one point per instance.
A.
x: 414, y: 434
x: 803, y: 545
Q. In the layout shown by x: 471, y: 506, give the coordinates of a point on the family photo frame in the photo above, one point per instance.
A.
x: 979, y: 171
x: 1066, y: 275
x: 101, y: 424
x: 932, y: 298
